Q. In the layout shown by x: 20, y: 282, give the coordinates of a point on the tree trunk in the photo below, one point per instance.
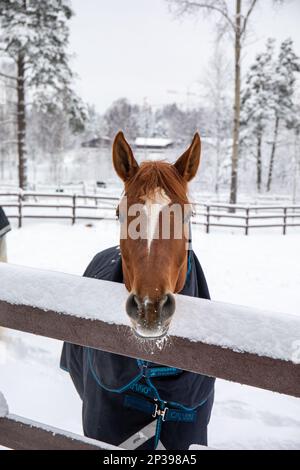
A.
x: 21, y: 121
x: 237, y: 106
x: 296, y: 167
x: 217, y: 175
x: 218, y: 147
x: 258, y: 163
x: 274, y: 145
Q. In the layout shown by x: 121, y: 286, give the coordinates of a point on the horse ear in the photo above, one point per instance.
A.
x: 187, y: 165
x: 124, y: 162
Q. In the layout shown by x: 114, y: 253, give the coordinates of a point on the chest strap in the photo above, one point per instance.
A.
x: 159, y: 410
x: 148, y: 372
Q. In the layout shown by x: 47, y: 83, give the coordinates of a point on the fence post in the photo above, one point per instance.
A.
x: 20, y: 212
x: 284, y: 220
x: 247, y: 221
x: 207, y: 218
x: 74, y: 209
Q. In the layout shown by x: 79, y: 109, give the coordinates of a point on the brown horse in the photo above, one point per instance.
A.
x: 154, y: 264
x: 131, y: 402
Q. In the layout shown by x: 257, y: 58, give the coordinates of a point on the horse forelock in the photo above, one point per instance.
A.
x: 158, y: 176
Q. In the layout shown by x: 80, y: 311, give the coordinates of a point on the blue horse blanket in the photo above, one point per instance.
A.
x: 122, y: 396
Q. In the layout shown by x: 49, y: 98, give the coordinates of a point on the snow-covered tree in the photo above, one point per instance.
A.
x: 122, y: 115
x: 296, y: 153
x: 49, y: 136
x: 217, y: 83
x: 257, y: 104
x: 94, y: 124
x: 287, y: 66
x: 7, y: 123
x: 179, y: 124
x: 232, y: 17
x: 34, y: 34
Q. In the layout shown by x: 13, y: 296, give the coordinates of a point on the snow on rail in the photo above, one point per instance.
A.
x: 238, y: 328
x: 3, y: 406
x: 61, y: 432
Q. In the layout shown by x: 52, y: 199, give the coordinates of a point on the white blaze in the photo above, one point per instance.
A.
x: 153, y: 207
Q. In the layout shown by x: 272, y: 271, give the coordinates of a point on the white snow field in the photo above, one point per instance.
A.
x: 261, y: 271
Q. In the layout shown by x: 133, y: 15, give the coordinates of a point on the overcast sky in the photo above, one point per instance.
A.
x: 135, y: 48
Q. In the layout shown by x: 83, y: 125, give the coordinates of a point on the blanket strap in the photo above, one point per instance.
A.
x: 158, y: 409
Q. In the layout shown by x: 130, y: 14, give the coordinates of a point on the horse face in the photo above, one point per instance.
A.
x: 154, y: 217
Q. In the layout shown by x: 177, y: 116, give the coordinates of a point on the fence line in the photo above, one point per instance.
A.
x: 210, y: 215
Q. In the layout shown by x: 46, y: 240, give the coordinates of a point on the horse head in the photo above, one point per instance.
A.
x: 154, y: 215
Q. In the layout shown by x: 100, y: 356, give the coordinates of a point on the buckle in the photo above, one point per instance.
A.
x: 158, y: 412
x: 144, y: 370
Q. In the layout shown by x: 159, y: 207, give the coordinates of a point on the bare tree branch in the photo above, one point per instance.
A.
x: 10, y: 77
x: 248, y: 14
x: 222, y: 10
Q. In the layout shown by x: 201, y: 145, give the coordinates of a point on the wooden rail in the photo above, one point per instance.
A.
x: 246, y: 368
x: 79, y: 207
x: 93, y: 297
x: 19, y: 433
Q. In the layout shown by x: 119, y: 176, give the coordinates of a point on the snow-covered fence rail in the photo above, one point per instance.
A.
x: 231, y: 342
x: 247, y: 217
x: 74, y: 207
x: 19, y: 433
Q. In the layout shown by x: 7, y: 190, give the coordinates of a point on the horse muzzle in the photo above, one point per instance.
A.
x: 150, y: 318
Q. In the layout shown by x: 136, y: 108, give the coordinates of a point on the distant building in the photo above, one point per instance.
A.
x: 96, y: 142
x: 153, y: 143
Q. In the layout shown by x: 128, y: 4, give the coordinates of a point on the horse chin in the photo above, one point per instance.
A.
x: 150, y: 335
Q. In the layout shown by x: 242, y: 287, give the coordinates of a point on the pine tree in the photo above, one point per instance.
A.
x: 257, y: 103
x: 34, y: 35
x: 284, y: 90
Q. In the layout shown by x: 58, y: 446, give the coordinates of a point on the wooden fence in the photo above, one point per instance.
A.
x: 228, y: 363
x: 75, y: 207
x: 21, y: 434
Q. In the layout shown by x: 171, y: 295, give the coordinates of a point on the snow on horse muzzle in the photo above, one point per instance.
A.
x: 150, y: 318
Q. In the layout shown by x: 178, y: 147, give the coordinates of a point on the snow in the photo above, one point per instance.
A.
x: 197, y: 447
x: 63, y: 293
x: 261, y: 271
x: 239, y: 328
x: 3, y: 406
x: 230, y: 326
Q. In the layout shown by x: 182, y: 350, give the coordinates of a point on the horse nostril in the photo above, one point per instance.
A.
x: 133, y: 306
x: 167, y: 306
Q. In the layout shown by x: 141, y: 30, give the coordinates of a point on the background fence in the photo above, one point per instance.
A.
x: 92, y: 207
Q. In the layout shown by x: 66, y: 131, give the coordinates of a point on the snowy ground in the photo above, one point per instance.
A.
x: 260, y: 271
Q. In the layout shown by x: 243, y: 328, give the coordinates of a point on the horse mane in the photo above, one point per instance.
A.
x: 158, y: 175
